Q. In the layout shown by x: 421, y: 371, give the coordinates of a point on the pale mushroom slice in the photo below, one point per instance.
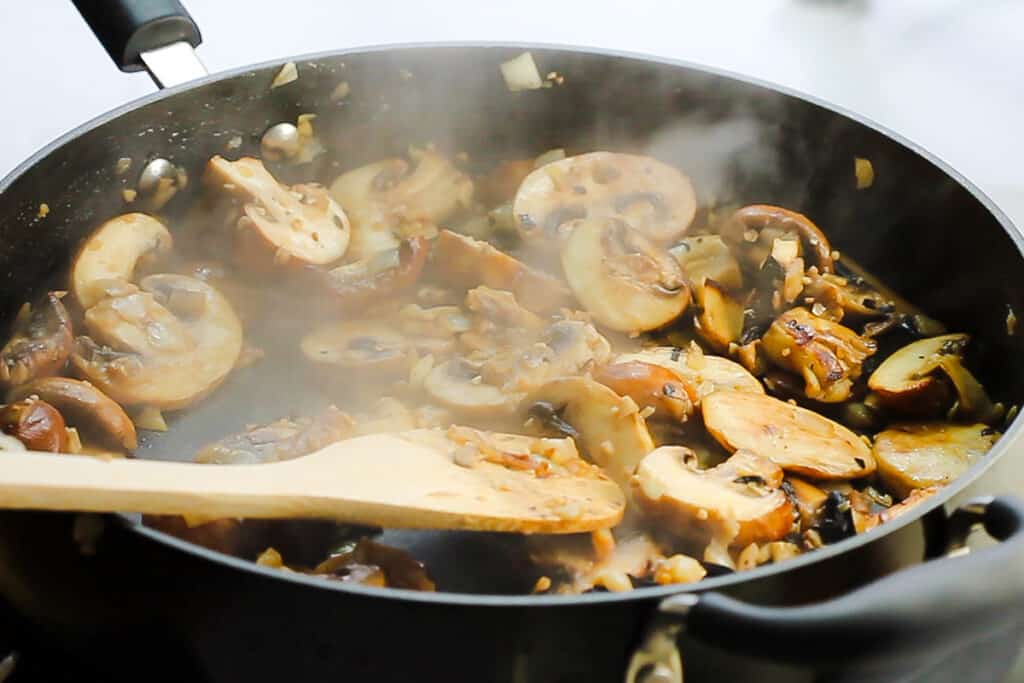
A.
x: 167, y: 345
x: 464, y: 262
x: 707, y: 257
x: 370, y: 346
x: 652, y: 197
x: 607, y: 427
x: 281, y: 224
x: 918, y: 456
x: 115, y: 252
x: 392, y: 199
x: 736, y: 503
x: 909, y: 380
x: 40, y: 343
x: 796, y: 439
x: 95, y: 415
x: 753, y: 230
x: 827, y: 355
x: 458, y: 385
x: 626, y: 282
x: 700, y: 373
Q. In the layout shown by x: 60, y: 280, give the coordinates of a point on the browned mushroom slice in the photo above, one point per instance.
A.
x: 279, y: 223
x: 40, y: 343
x: 752, y: 232
x: 576, y: 567
x: 368, y: 346
x: 720, y: 318
x: 458, y: 385
x: 701, y: 374
x: 653, y: 387
x: 807, y: 498
x: 917, y: 456
x: 167, y: 346
x: 652, y: 197
x: 36, y: 424
x: 738, y: 502
x: 115, y: 252
x: 706, y: 257
x: 354, y: 285
x: 392, y: 199
x: 283, y: 439
x: 375, y: 564
x: 607, y: 427
x: 625, y: 281
x: 826, y: 354
x: 908, y: 381
x: 796, y: 439
x: 837, y: 296
x: 462, y: 261
x: 94, y: 414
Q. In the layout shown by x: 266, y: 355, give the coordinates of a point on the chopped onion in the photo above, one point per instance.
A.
x: 288, y: 73
x: 548, y: 157
x: 521, y: 73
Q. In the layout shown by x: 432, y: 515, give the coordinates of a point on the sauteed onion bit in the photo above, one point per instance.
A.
x: 553, y: 315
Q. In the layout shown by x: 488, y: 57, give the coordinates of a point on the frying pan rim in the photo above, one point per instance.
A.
x: 520, y: 601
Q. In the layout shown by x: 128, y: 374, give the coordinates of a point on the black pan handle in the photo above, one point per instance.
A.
x: 930, y: 609
x: 127, y: 28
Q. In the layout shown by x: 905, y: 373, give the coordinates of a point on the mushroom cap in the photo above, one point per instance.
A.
x: 918, y: 456
x: 40, y: 343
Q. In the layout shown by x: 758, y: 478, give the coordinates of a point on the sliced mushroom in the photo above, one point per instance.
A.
x: 462, y: 261
x: 368, y: 346
x: 544, y: 457
x: 40, y: 343
x: 167, y: 346
x: 575, y: 567
x: 738, y: 502
x: 611, y: 432
x: 701, y: 374
x: 837, y: 296
x: 651, y: 386
x: 908, y: 381
x: 115, y: 252
x: 720, y: 318
x: 384, y: 274
x: 707, y: 257
x: 796, y: 439
x: 652, y: 197
x: 625, y: 281
x: 36, y: 424
x: 501, y: 309
x: 391, y: 199
x: 94, y: 414
x: 280, y: 223
x: 283, y: 439
x: 807, y: 498
x: 751, y: 232
x: 918, y: 456
x: 826, y: 354
x: 458, y: 384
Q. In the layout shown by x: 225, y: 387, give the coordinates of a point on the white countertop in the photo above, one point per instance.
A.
x: 945, y: 73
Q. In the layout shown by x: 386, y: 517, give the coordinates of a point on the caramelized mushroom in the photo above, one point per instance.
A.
x: 391, y: 199
x: 651, y: 386
x: 918, y: 456
x: 462, y: 261
x: 706, y: 257
x: 115, y: 252
x: 167, y: 346
x: 826, y: 354
x: 841, y: 296
x: 701, y: 374
x: 621, y: 278
x: 719, y: 320
x: 36, y: 424
x: 94, y: 414
x: 610, y: 430
x: 283, y: 439
x: 652, y: 197
x: 794, y: 438
x: 738, y: 502
x: 807, y: 498
x: 281, y: 224
x: 40, y: 343
x: 752, y: 232
x: 354, y: 285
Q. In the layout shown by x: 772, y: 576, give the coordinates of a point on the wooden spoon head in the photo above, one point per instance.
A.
x: 459, y: 479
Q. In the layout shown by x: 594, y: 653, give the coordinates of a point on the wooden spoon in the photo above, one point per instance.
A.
x: 407, y: 480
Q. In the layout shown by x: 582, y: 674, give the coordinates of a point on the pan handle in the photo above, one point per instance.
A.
x: 155, y: 35
x: 912, y: 616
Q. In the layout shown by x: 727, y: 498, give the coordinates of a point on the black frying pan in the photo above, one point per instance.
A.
x: 148, y: 605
